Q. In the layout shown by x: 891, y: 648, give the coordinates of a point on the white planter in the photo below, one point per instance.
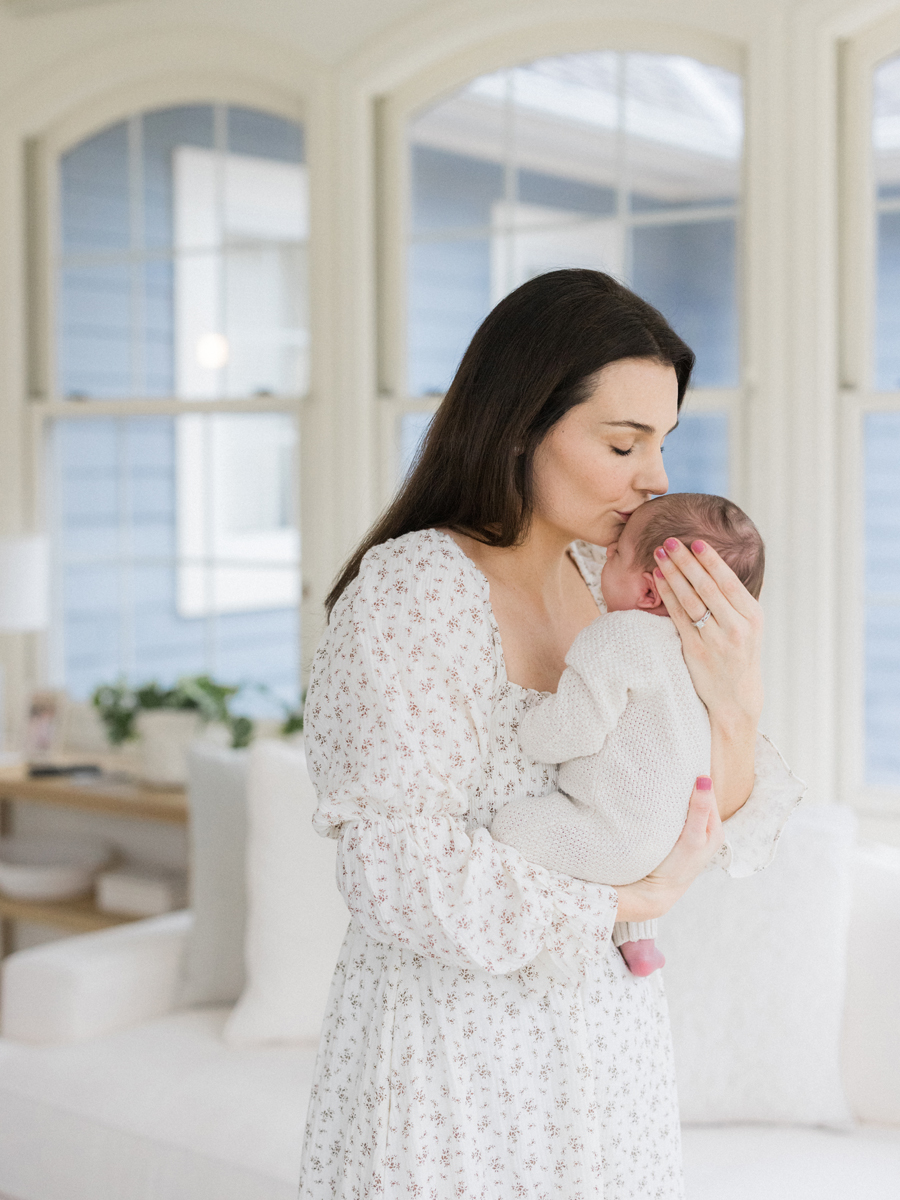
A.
x: 164, y: 740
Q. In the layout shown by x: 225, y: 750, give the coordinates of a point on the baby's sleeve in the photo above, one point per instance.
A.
x: 592, y: 692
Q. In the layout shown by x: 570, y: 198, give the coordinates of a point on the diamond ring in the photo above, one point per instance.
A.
x: 699, y: 624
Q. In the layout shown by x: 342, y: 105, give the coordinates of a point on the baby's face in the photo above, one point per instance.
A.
x: 624, y: 582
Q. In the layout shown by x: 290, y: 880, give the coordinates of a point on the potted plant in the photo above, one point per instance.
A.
x: 167, y: 720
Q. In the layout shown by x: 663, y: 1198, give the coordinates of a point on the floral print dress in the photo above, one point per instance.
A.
x: 482, y: 1040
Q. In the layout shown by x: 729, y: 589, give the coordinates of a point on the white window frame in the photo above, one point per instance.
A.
x: 44, y: 405
x: 858, y: 398
x: 392, y: 115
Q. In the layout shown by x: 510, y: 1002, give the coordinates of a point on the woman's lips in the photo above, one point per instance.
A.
x: 624, y: 515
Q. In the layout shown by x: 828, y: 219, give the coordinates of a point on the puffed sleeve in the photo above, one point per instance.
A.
x: 751, y: 835
x: 397, y: 721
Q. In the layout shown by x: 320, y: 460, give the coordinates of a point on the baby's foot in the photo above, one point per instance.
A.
x: 642, y: 957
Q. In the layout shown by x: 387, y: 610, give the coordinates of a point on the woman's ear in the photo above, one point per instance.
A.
x: 649, y: 597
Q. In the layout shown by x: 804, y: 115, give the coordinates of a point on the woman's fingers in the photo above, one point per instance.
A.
x: 674, y: 607
x: 701, y: 572
x: 724, y: 578
x: 695, y: 849
x: 703, y: 826
x: 723, y: 656
x: 697, y: 845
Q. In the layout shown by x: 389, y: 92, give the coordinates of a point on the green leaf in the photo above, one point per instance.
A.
x: 241, y: 732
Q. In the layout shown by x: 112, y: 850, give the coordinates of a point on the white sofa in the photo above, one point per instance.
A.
x: 146, y: 1103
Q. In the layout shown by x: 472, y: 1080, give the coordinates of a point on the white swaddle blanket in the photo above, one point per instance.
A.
x: 631, y: 735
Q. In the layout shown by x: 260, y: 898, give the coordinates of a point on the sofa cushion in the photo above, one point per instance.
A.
x: 872, y: 1020
x: 755, y: 976
x: 164, y: 1111
x: 296, y: 919
x: 75, y: 988
x: 214, y: 959
x: 167, y: 1111
x: 769, y: 1163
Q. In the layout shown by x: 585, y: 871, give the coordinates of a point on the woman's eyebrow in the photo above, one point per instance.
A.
x: 639, y: 426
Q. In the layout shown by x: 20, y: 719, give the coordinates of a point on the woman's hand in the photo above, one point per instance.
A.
x: 697, y: 845
x: 722, y: 656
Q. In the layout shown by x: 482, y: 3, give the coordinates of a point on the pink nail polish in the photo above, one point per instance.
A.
x: 698, y: 547
x: 671, y: 543
x: 704, y: 783
x: 658, y: 573
x: 660, y: 553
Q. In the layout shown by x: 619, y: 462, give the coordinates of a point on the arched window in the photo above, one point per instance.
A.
x: 182, y: 347
x: 625, y: 162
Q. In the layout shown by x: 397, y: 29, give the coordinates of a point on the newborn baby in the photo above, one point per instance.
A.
x: 626, y: 726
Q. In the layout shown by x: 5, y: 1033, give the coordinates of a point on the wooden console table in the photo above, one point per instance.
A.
x: 97, y: 794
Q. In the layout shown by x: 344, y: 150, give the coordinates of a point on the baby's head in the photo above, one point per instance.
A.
x: 627, y: 580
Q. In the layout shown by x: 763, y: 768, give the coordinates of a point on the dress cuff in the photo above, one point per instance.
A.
x: 581, y: 928
x: 751, y: 835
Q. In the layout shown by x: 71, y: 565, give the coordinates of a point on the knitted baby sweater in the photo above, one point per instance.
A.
x: 632, y: 736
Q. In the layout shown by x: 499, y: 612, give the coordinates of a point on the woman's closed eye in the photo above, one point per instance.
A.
x: 622, y: 453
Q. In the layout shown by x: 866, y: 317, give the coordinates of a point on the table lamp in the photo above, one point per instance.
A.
x: 24, y: 593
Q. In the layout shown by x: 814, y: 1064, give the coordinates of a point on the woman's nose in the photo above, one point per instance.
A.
x: 654, y: 482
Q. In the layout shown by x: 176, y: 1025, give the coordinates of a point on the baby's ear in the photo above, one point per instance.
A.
x: 649, y: 597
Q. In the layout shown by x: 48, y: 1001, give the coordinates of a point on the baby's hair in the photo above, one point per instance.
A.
x: 691, y: 515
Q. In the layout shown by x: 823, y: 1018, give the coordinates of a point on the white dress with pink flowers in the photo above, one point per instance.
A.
x: 482, y: 1038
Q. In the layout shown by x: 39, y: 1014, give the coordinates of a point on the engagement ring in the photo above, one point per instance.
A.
x: 699, y: 624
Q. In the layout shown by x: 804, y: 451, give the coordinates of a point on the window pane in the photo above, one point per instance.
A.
x: 886, y: 162
x: 240, y: 275
x: 887, y: 301
x: 882, y: 584
x: 162, y: 134
x: 184, y: 257
x: 264, y: 136
x: 453, y: 191
x: 628, y: 163
x: 449, y: 292
x: 94, y: 193
x: 413, y: 427
x: 177, y: 549
x: 156, y: 347
x: 886, y: 129
x: 689, y: 270
x: 684, y: 132
x: 95, y: 344
x: 183, y: 272
x: 696, y: 454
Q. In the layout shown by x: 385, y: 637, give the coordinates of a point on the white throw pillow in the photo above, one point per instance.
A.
x: 296, y: 919
x: 214, y: 958
x: 755, y: 977
x: 872, y: 1020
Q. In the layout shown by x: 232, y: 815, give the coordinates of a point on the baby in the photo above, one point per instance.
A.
x: 626, y: 726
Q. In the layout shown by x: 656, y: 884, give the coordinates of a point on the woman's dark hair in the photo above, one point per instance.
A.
x: 531, y: 360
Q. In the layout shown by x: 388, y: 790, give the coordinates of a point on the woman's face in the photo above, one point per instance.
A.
x: 604, y: 457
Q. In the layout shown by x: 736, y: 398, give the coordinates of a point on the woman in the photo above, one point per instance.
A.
x: 481, y: 1039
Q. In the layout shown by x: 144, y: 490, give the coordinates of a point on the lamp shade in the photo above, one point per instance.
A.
x: 24, y: 584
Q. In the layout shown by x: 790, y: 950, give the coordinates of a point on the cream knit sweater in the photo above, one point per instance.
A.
x: 631, y: 735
